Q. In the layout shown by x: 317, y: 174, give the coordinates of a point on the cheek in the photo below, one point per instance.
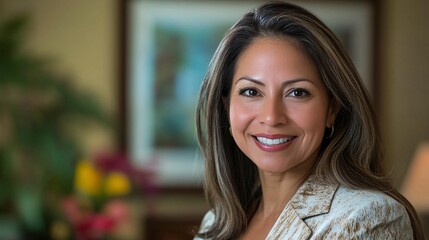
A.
x: 311, y: 119
x: 240, y: 116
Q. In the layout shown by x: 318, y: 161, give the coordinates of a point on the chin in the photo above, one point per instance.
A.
x: 273, y: 168
x: 279, y: 166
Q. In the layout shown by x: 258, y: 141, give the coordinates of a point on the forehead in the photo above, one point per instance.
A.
x: 282, y: 47
x: 275, y: 57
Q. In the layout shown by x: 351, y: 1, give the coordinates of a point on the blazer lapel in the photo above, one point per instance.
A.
x: 313, y: 198
x: 289, y: 226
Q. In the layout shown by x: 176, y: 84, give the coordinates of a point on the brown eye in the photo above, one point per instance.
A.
x: 249, y: 92
x: 299, y: 92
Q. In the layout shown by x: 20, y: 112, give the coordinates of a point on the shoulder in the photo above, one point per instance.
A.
x: 357, y: 198
x: 206, y: 223
x: 371, y: 202
x: 365, y: 214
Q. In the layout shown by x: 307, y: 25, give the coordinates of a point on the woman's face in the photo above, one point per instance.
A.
x: 279, y: 107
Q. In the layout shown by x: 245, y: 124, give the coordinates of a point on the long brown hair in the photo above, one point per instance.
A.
x: 352, y: 157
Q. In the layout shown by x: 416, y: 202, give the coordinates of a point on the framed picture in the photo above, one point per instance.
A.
x: 170, y: 44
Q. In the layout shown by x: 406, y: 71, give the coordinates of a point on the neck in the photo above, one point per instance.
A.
x: 278, y: 190
x: 276, y: 196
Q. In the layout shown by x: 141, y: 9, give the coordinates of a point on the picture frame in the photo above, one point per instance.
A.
x: 170, y: 44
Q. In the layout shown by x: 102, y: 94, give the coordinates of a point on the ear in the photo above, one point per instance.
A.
x: 334, y: 108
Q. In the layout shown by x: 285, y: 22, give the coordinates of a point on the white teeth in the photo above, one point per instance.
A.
x: 271, y: 142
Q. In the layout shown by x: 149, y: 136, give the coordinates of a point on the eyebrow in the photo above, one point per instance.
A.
x: 285, y: 83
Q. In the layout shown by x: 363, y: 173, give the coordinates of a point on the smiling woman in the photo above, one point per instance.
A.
x: 275, y: 168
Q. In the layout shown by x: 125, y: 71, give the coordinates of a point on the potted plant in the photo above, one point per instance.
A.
x: 38, y: 153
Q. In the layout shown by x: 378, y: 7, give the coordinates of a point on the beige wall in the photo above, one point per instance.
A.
x: 81, y: 37
x: 82, y: 34
x: 404, y: 87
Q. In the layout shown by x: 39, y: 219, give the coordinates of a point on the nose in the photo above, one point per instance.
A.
x: 273, y: 112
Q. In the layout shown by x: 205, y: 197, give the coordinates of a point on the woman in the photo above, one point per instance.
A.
x: 288, y: 134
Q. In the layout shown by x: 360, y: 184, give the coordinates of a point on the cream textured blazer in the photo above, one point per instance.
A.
x: 320, y: 210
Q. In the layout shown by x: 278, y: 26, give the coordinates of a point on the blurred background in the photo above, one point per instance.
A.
x: 67, y: 159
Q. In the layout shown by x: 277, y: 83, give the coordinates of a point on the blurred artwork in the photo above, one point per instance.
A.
x: 180, y: 59
x: 171, y: 45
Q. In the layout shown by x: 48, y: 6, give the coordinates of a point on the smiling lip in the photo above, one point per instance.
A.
x: 273, y: 143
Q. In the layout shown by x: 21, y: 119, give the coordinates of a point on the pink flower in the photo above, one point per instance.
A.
x: 71, y: 209
x: 94, y: 226
x: 117, y: 210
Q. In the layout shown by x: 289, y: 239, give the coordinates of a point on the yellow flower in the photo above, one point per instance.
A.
x: 116, y: 184
x: 88, y: 179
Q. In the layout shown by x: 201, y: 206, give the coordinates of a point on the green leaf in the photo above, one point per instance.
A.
x: 29, y: 206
